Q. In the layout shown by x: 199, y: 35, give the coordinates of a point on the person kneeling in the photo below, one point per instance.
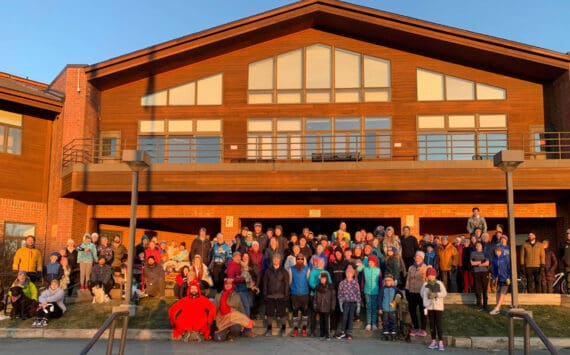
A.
x: 51, y: 305
x: 191, y: 317
x: 231, y: 320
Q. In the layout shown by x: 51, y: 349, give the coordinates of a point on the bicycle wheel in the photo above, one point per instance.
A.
x: 564, y: 287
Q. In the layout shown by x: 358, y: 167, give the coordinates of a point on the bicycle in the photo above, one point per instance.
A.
x: 560, y: 284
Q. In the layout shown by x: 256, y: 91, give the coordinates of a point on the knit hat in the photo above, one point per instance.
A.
x: 55, y: 253
x: 144, y: 237
x: 22, y: 273
x: 349, y: 269
x: 374, y: 259
x: 431, y: 272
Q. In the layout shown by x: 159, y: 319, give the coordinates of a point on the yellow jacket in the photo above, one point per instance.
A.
x: 448, y: 257
x: 28, y: 260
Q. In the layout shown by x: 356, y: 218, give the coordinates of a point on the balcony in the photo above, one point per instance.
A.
x: 294, y: 148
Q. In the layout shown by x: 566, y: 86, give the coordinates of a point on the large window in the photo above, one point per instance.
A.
x: 182, y: 141
x: 319, y: 74
x: 205, y: 91
x: 461, y: 137
x: 304, y: 138
x: 433, y: 86
x: 10, y: 133
x: 15, y: 234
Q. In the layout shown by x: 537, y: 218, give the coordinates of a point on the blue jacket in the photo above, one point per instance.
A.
x: 386, y: 296
x: 220, y: 253
x: 372, y: 278
x: 502, y: 268
x: 299, y: 280
x: 87, y: 253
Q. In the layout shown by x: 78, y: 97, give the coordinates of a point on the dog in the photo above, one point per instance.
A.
x: 22, y: 306
x: 99, y: 295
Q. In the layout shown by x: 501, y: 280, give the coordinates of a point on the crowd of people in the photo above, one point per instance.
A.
x: 224, y: 284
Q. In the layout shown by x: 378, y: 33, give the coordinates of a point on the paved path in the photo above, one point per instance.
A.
x: 258, y: 346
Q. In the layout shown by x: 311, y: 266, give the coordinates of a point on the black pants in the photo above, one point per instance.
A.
x: 481, y: 284
x: 325, y: 323
x: 51, y: 311
x: 533, y: 279
x: 275, y: 307
x: 218, y: 274
x: 436, y: 324
x: 180, y: 291
x: 415, y: 305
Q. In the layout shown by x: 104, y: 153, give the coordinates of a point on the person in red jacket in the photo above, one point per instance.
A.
x: 191, y: 317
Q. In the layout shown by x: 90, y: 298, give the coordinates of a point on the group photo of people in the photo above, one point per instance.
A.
x: 302, y: 284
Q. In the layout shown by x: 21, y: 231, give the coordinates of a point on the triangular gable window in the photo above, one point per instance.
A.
x: 434, y: 86
x: 205, y: 91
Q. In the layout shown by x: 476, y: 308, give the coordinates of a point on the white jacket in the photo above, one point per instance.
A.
x: 433, y: 301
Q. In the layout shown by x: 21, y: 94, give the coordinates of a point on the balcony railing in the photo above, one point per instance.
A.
x: 290, y: 147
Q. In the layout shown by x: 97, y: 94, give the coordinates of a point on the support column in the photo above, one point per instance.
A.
x: 412, y: 221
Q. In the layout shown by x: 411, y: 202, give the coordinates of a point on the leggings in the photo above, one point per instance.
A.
x: 85, y: 273
x: 436, y: 324
x: 415, y: 304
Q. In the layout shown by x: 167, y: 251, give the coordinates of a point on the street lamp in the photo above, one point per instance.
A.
x: 508, y: 161
x: 137, y: 160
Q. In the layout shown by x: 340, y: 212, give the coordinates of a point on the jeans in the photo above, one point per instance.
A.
x: 348, y: 311
x: 244, y: 297
x: 389, y: 322
x: 371, y: 309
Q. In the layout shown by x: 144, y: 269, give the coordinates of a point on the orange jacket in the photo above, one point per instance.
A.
x: 448, y: 257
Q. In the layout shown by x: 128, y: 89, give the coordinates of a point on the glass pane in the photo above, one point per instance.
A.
x: 11, y: 118
x: 430, y: 85
x: 156, y: 99
x: 182, y: 95
x: 345, y: 95
x: 210, y: 90
x: 318, y: 67
x: 376, y: 72
x: 461, y: 121
x: 317, y: 144
x: 318, y: 124
x: 377, y: 123
x: 252, y: 144
x: 282, y: 146
x: 179, y: 149
x: 109, y: 147
x: 288, y: 97
x: 377, y: 95
x: 260, y: 98
x: 493, y: 121
x: 154, y: 146
x: 289, y: 69
x: 295, y: 146
x: 261, y: 75
x: 346, y: 69
x: 265, y: 125
x: 432, y: 147
x: 347, y: 124
x: 14, y: 143
x: 490, y: 144
x: 462, y: 146
x: 19, y: 229
x: 377, y: 145
x: 428, y: 122
x: 459, y: 89
x: 208, y: 150
x: 2, y: 130
x: 318, y: 97
x: 288, y: 125
x: 488, y: 92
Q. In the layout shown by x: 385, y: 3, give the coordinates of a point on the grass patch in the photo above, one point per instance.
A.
x: 459, y: 320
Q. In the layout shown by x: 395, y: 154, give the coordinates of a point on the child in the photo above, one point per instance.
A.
x: 324, y: 302
x: 53, y: 269
x: 433, y: 292
x: 371, y: 274
x: 395, y: 265
x: 501, y: 276
x: 348, y: 299
x: 387, y: 302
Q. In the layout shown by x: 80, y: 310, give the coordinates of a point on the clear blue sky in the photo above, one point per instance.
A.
x: 38, y: 38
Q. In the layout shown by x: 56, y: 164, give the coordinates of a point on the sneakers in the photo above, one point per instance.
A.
x: 282, y: 332
x: 440, y: 346
x: 368, y: 327
x: 341, y: 336
x: 432, y: 345
x: 36, y: 323
x: 304, y: 332
x: 349, y: 337
x: 414, y: 332
x: 249, y: 334
x: 421, y: 333
x: 374, y: 327
x: 295, y: 332
x: 494, y: 312
x: 268, y: 332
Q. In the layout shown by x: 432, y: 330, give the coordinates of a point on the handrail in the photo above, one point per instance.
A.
x: 110, y: 324
x: 528, y: 322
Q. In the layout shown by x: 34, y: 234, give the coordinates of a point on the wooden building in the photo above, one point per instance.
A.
x: 309, y: 114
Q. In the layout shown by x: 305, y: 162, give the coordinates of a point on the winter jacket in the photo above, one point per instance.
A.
x: 29, y: 289
x: 299, y: 280
x: 432, y: 260
x: 324, y: 300
x: 409, y: 246
x: 550, y: 265
x: 532, y: 255
x: 448, y: 257
x: 201, y: 247
x: 102, y: 274
x: 372, y: 278
x: 465, y: 263
x: 565, y: 255
x: 155, y: 253
x: 502, y: 268
x: 416, y: 277
x: 268, y: 257
x: 348, y: 291
x: 191, y: 314
x: 120, y: 254
x: 220, y: 253
x: 28, y: 260
x: 438, y: 293
x: 385, y: 296
x: 53, y: 296
x: 336, y: 270
x: 476, y: 222
x: 53, y: 271
x: 314, y: 278
x: 395, y: 266
x: 154, y: 280
x: 276, y: 283
x: 87, y: 253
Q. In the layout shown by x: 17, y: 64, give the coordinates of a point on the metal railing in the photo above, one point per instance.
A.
x: 528, y: 323
x: 344, y: 146
x: 110, y: 324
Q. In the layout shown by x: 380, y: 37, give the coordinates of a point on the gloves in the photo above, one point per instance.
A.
x: 508, y: 282
x: 432, y: 295
x: 340, y: 307
x: 379, y: 311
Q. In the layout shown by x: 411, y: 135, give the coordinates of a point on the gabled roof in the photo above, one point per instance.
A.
x: 396, y: 31
x: 28, y: 96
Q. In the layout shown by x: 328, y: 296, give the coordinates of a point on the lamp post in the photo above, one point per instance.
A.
x: 137, y: 160
x: 508, y: 161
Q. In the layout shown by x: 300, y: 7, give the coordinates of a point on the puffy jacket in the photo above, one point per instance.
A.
x: 502, y: 268
x: 416, y: 277
x: 550, y: 264
x: 87, y: 253
x: 201, y: 247
x: 314, y: 278
x: 348, y: 291
x: 448, y: 257
x: 299, y: 280
x: 409, y: 246
x: 372, y: 278
x: 276, y: 283
x: 532, y: 255
x: 53, y: 271
x: 439, y: 292
x: 324, y: 300
x: 28, y: 260
x: 386, y: 296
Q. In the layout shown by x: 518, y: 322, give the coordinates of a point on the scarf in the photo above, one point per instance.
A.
x: 224, y: 307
